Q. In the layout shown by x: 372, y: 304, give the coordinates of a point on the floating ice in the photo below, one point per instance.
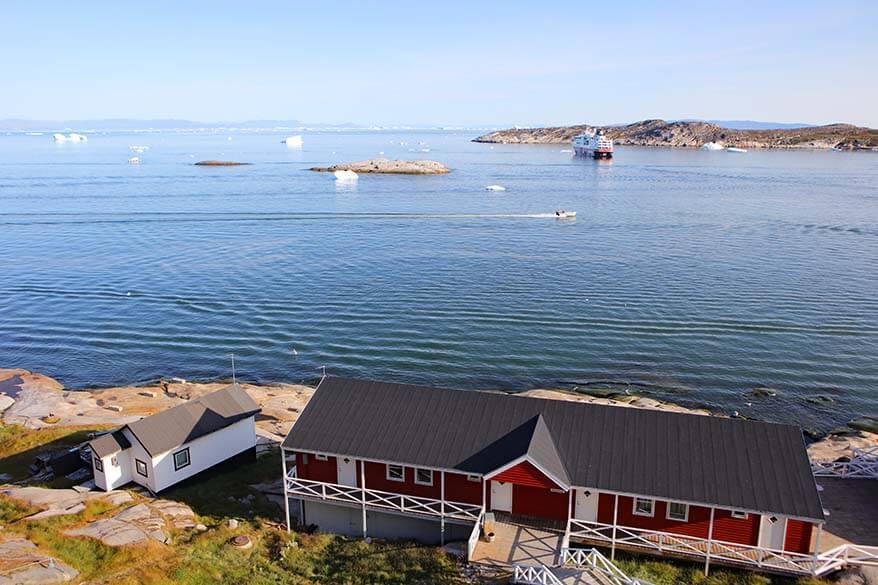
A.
x: 72, y: 137
x: 345, y: 176
x: 712, y: 146
x: 566, y: 150
x: 138, y: 149
x: 294, y: 141
x: 134, y: 160
x: 735, y: 149
x: 495, y: 188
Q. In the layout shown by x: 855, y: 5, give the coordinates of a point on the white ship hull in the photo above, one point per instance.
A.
x: 593, y: 144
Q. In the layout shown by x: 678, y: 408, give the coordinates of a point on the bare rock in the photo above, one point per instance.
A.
x: 24, y: 564
x: 388, y: 166
x: 858, y: 576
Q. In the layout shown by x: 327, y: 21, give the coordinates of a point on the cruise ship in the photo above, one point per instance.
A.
x: 594, y: 144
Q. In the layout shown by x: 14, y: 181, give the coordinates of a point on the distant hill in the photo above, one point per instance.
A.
x: 755, y: 124
x: 693, y: 134
x: 120, y: 124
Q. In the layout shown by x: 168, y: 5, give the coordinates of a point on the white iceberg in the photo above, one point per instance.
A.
x: 735, y: 149
x: 138, y: 149
x: 566, y: 150
x: 712, y: 146
x: 72, y: 137
x: 495, y: 188
x: 294, y: 141
x: 346, y: 176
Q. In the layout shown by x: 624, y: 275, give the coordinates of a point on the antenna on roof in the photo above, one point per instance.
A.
x: 234, y: 379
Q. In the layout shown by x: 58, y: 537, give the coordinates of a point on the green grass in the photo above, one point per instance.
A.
x: 20, y: 446
x: 664, y: 572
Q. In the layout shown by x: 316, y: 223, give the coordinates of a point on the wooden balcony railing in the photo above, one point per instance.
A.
x: 377, y: 499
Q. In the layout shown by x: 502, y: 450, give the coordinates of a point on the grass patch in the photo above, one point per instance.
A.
x: 19, y: 446
x: 664, y: 572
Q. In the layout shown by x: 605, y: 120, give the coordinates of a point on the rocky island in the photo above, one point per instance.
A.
x: 693, y: 134
x: 389, y: 167
x: 220, y: 163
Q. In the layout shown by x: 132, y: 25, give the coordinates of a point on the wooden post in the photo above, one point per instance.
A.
x: 709, y: 543
x: 363, y: 492
x: 615, y: 520
x: 442, y: 506
x: 283, y: 460
x: 817, y: 548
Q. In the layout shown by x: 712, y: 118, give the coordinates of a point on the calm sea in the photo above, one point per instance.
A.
x: 692, y: 276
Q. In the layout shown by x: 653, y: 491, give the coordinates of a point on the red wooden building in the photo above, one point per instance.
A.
x: 393, y: 460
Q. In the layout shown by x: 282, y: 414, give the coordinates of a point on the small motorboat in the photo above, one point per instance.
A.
x: 563, y: 214
x: 735, y: 149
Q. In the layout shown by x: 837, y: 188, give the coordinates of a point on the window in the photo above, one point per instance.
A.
x: 678, y: 511
x: 321, y: 457
x: 181, y: 459
x: 739, y: 514
x: 424, y: 476
x: 472, y: 478
x: 99, y: 465
x: 141, y: 467
x: 643, y: 507
x: 114, y: 462
x: 395, y: 473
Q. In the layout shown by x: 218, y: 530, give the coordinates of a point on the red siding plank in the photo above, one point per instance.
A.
x: 737, y: 530
x: 798, y: 536
x: 525, y: 474
x: 539, y: 502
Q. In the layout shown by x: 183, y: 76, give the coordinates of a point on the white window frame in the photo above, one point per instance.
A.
x: 685, y: 517
x: 401, y: 477
x: 635, y: 512
x: 321, y: 457
x: 475, y: 478
x: 422, y: 470
x: 178, y: 467
x: 99, y: 464
x: 739, y: 514
x: 137, y: 464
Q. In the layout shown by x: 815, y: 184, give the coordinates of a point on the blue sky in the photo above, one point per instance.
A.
x: 442, y: 62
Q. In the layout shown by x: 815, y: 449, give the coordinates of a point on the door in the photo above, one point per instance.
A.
x: 347, y: 471
x: 586, y: 505
x: 772, y: 530
x: 501, y: 496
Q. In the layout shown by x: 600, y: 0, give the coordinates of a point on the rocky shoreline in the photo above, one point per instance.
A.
x: 37, y: 401
x: 694, y: 134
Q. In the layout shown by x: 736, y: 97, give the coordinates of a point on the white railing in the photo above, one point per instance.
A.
x: 688, y: 546
x: 845, y: 556
x: 596, y: 563
x: 473, y: 540
x: 530, y: 575
x: 309, y: 488
x: 863, y: 464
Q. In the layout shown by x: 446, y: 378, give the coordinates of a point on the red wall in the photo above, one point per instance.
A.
x: 737, y: 530
x: 798, y: 536
x: 459, y: 489
x: 725, y: 527
x: 376, y: 479
x: 525, y: 474
x: 316, y: 470
x: 540, y: 502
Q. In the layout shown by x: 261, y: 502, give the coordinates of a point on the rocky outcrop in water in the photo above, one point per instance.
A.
x: 220, y: 163
x: 695, y: 134
x: 390, y: 167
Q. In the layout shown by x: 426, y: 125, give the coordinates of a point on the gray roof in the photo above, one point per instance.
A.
x: 109, y: 443
x: 198, y: 417
x: 748, y: 465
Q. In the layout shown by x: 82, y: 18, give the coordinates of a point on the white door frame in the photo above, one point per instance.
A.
x: 501, y: 496
x: 347, y: 471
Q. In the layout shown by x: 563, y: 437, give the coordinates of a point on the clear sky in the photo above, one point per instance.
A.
x: 451, y: 63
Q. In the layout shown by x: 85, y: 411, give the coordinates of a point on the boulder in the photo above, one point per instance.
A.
x: 22, y: 563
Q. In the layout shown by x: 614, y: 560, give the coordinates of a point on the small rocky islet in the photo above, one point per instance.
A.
x: 388, y: 167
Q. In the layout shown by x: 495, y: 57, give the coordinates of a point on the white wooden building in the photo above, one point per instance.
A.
x: 163, y: 449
